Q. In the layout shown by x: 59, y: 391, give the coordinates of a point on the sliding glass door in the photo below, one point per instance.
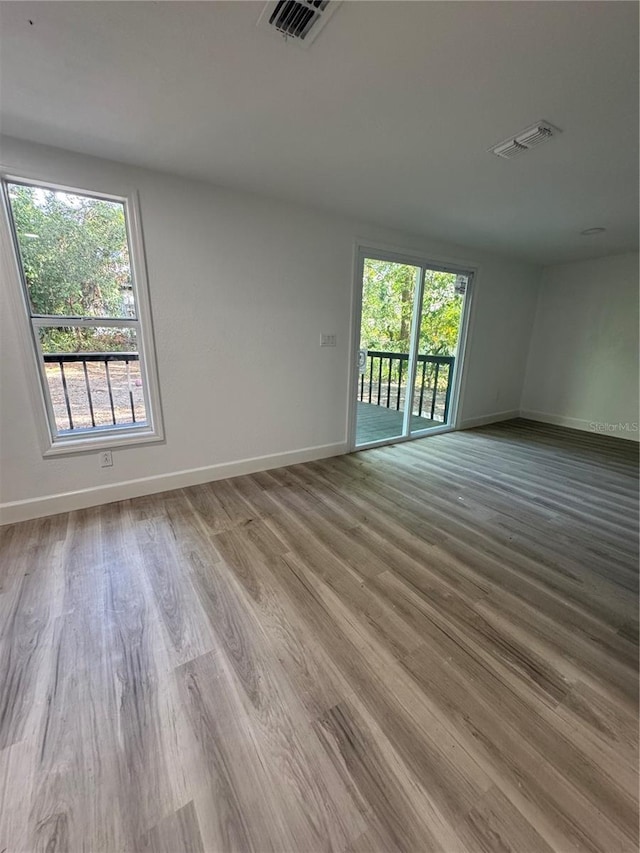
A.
x: 388, y: 298
x: 440, y: 320
x: 410, y: 325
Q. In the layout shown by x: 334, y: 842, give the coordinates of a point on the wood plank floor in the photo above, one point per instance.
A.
x: 432, y: 646
x: 375, y: 423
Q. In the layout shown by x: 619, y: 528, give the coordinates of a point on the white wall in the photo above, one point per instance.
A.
x: 241, y: 288
x: 583, y: 362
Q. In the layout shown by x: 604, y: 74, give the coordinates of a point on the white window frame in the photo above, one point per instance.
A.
x: 106, y: 437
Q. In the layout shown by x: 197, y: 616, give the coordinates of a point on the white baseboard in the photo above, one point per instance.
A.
x: 582, y: 424
x: 556, y: 420
x: 16, y: 511
x: 493, y: 418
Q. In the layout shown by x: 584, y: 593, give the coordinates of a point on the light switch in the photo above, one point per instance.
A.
x: 327, y: 340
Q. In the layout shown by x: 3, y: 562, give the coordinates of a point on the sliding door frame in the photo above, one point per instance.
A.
x: 363, y: 250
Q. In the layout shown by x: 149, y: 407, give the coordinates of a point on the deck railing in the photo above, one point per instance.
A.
x: 88, y: 376
x: 381, y: 384
x: 90, y: 394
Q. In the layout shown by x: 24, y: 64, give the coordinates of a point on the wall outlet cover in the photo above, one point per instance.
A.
x: 106, y: 459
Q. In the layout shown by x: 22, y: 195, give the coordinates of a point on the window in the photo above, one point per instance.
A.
x: 80, y: 261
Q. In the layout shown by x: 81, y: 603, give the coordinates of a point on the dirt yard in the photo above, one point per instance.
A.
x: 124, y: 379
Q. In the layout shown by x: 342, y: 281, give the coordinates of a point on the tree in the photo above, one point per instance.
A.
x: 441, y: 314
x: 75, y: 259
x: 387, y: 307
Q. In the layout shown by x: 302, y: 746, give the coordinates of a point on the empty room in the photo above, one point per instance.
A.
x: 319, y: 426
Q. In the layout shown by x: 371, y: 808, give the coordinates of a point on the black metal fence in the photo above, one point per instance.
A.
x: 382, y: 383
x: 95, y: 389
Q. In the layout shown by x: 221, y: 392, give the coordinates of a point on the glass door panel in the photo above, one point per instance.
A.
x: 439, y: 332
x: 389, y: 293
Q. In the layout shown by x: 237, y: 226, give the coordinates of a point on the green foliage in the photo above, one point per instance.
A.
x: 441, y: 314
x: 76, y: 263
x: 387, y: 304
x: 73, y: 339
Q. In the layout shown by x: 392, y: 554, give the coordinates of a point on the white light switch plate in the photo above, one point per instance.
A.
x: 327, y: 340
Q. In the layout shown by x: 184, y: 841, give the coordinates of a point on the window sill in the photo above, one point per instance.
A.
x: 107, y: 440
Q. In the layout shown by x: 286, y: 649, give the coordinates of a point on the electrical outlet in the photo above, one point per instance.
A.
x: 106, y: 459
x: 327, y: 340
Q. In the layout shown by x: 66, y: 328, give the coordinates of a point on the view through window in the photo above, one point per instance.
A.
x: 75, y: 259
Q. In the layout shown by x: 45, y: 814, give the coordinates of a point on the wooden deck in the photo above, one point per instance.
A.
x: 426, y: 647
x: 377, y: 422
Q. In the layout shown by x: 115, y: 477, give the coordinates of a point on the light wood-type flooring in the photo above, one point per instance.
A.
x: 431, y: 646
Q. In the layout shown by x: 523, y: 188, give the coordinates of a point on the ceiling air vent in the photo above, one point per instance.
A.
x: 524, y: 140
x: 297, y: 20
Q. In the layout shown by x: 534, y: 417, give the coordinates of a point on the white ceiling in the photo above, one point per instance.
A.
x: 387, y: 116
